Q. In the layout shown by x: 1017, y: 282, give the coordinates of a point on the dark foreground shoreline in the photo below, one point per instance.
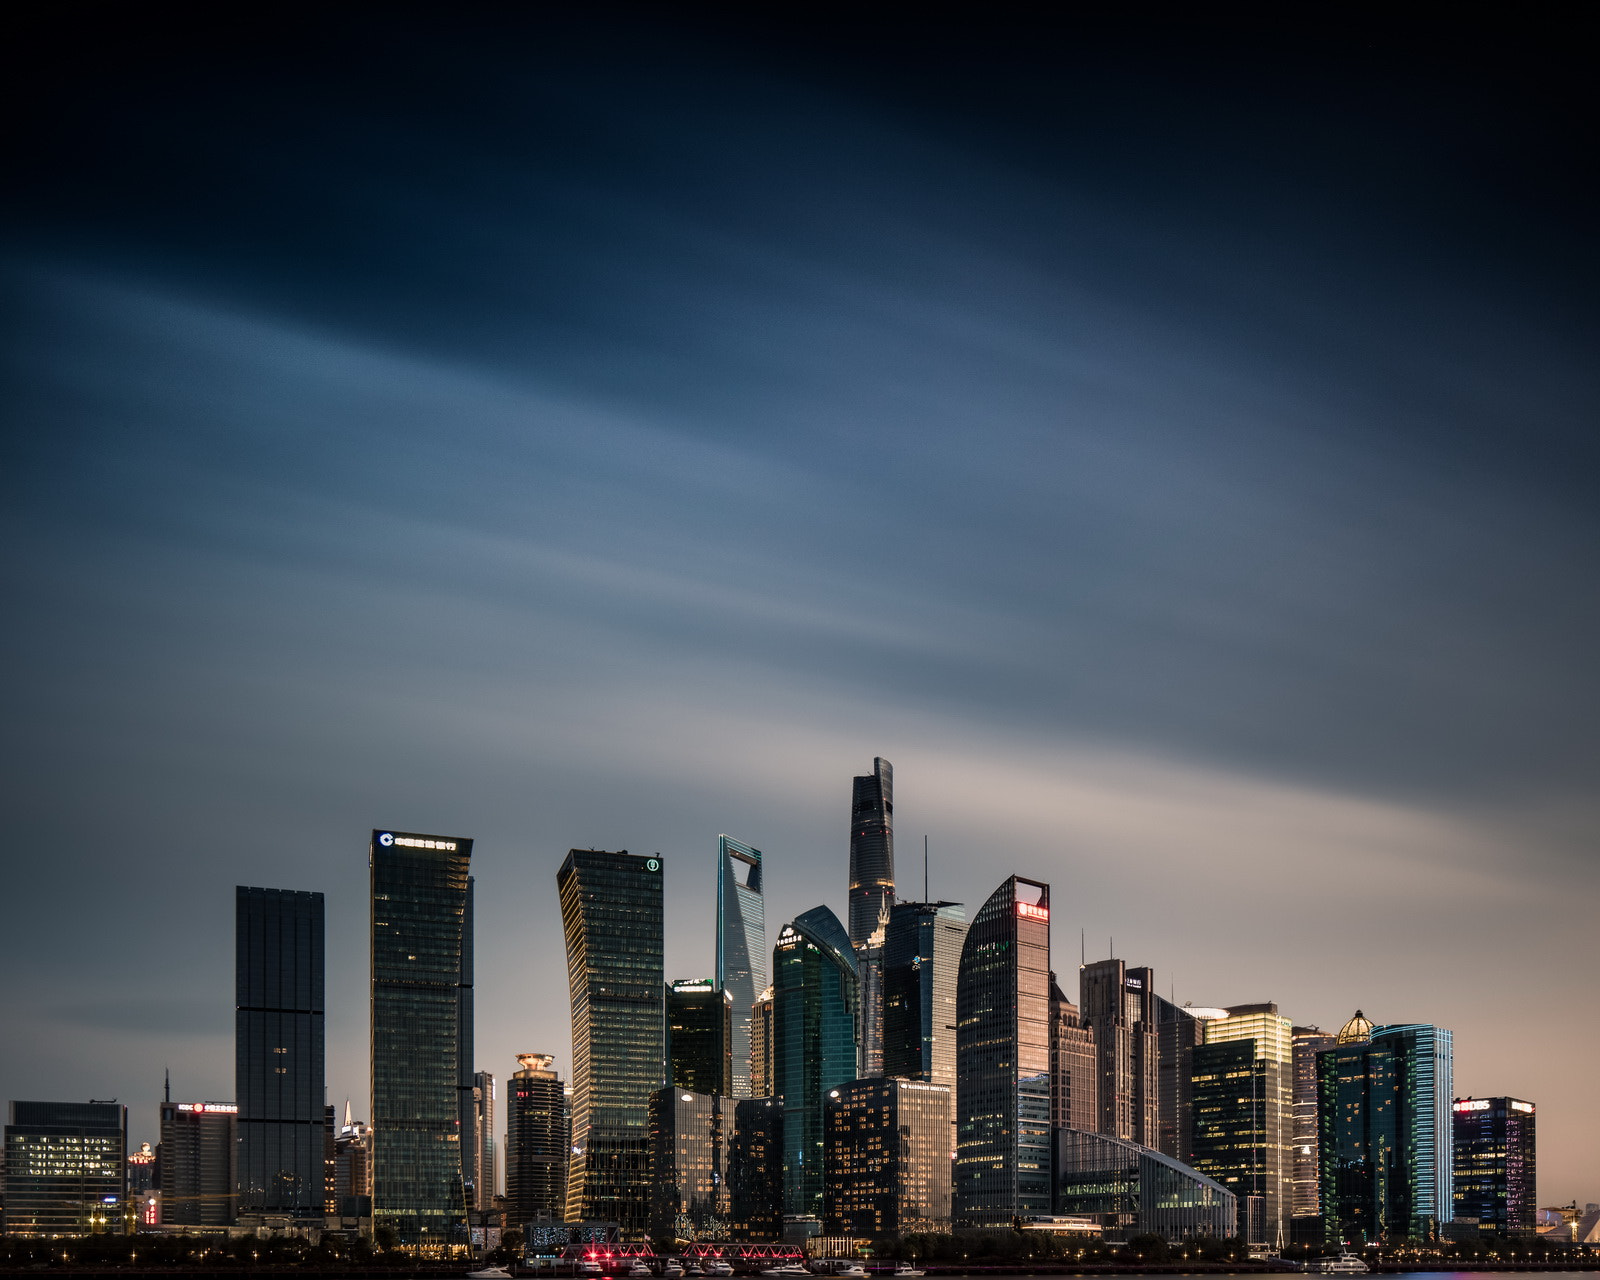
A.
x: 999, y: 1269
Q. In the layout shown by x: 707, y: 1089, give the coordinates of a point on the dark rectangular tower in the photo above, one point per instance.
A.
x: 1495, y: 1164
x: 699, y: 1031
x: 871, y: 850
x: 421, y: 1035
x: 278, y: 1050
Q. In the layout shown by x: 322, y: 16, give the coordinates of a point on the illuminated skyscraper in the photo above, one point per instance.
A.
x: 278, y: 1051
x: 1242, y: 1093
x: 198, y: 1163
x: 869, y: 967
x: 486, y: 1151
x: 1495, y: 1163
x: 611, y: 915
x: 689, y: 1185
x: 64, y: 1172
x: 755, y: 1169
x: 871, y: 849
x: 888, y: 1159
x: 1118, y: 1004
x: 1003, y: 1098
x: 815, y: 1014
x: 741, y: 946
x: 1305, y: 1200
x: 699, y: 1031
x: 761, y: 1044
x: 536, y: 1143
x: 1074, y: 1066
x: 1384, y: 1140
x: 921, y: 960
x: 422, y: 1110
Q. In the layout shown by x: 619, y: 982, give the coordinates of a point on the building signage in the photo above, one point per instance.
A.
x: 1473, y: 1104
x: 1033, y: 912
x: 650, y: 864
x: 208, y: 1107
x: 387, y: 838
x: 1522, y: 1106
x: 1136, y: 983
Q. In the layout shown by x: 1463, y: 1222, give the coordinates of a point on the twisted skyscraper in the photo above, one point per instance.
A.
x: 871, y: 850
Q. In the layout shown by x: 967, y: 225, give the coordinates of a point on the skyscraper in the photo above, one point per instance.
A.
x: 611, y: 916
x: 278, y: 1050
x: 352, y: 1166
x: 1179, y: 1028
x: 1118, y: 1004
x: 814, y: 1026
x: 871, y: 849
x: 64, y: 1168
x: 1241, y: 1111
x: 741, y: 946
x: 1495, y: 1163
x: 869, y: 967
x: 1074, y: 1066
x: 699, y: 1037
x: 1384, y: 1138
x: 198, y: 1162
x: 1003, y: 1059
x: 1305, y: 1199
x: 485, y: 1149
x: 421, y: 1035
x: 689, y: 1191
x: 536, y: 1143
x: 921, y: 960
x: 761, y: 1045
x: 887, y: 1171
x: 755, y: 1169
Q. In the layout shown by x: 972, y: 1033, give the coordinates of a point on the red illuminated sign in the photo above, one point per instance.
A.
x: 1033, y: 912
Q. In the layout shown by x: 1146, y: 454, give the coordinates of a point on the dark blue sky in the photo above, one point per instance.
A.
x: 1171, y: 442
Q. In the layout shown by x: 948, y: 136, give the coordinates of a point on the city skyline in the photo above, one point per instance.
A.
x: 1168, y: 445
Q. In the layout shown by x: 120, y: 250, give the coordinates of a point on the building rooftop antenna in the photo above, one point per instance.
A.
x: 925, y: 896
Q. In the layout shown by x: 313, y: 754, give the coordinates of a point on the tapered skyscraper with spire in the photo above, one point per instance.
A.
x: 871, y: 850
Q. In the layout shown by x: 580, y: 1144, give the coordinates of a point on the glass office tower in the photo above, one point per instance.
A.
x: 699, y: 1036
x: 536, y: 1143
x: 1305, y: 1196
x: 1119, y: 1004
x: 689, y: 1184
x: 1241, y: 1100
x: 741, y: 946
x: 611, y: 915
x: 1003, y: 1059
x: 921, y: 959
x: 64, y: 1168
x: 1384, y: 1137
x: 871, y: 849
x: 755, y: 1169
x: 888, y: 1159
x: 198, y: 1164
x: 816, y: 991
x: 278, y: 1051
x: 1495, y: 1166
x: 421, y: 1036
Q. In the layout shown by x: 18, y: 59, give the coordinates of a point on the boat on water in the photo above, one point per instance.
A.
x: 788, y: 1269
x: 1346, y: 1264
x: 672, y: 1268
x: 489, y: 1273
x: 638, y: 1271
x: 719, y: 1268
x: 905, y: 1271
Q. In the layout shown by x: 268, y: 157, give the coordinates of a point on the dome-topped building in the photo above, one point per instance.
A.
x: 1357, y: 1031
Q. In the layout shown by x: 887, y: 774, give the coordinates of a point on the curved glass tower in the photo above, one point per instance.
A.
x: 741, y: 945
x: 1003, y: 1059
x: 816, y: 993
x: 871, y: 849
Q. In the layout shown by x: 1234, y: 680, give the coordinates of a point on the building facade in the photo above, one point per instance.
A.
x: 279, y: 1051
x: 1241, y: 1097
x: 1384, y: 1133
x: 422, y: 1061
x: 887, y: 1160
x: 537, y: 1142
x: 699, y: 1037
x: 198, y: 1163
x: 690, y: 1195
x: 1132, y: 1190
x: 921, y: 962
x: 352, y: 1167
x: 815, y: 1012
x: 65, y: 1168
x: 1003, y: 1093
x: 611, y: 916
x: 486, y: 1183
x: 741, y: 948
x: 1118, y: 1004
x: 1496, y: 1163
x: 755, y: 1170
x: 1179, y: 1028
x: 1074, y: 1066
x: 1305, y: 1194
x: 869, y: 967
x: 871, y: 849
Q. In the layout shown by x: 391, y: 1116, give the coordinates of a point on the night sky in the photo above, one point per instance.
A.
x: 1170, y: 441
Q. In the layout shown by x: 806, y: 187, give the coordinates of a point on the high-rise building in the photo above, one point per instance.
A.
x: 755, y: 1169
x: 921, y: 960
x: 1305, y: 1199
x: 1118, y: 1004
x: 1179, y: 1028
x: 278, y: 1051
x: 1003, y: 1059
x: 871, y: 849
x: 65, y: 1171
x: 699, y: 1037
x: 1242, y: 1094
x: 816, y: 994
x: 1495, y: 1163
x: 1384, y: 1136
x: 422, y: 1061
x: 486, y: 1182
x: 869, y: 967
x: 199, y: 1164
x: 352, y: 1166
x: 1074, y: 1066
x: 887, y: 1159
x: 141, y: 1170
x: 537, y: 1143
x: 741, y: 946
x: 761, y: 1044
x: 689, y: 1191
x: 1132, y: 1190
x: 611, y: 915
